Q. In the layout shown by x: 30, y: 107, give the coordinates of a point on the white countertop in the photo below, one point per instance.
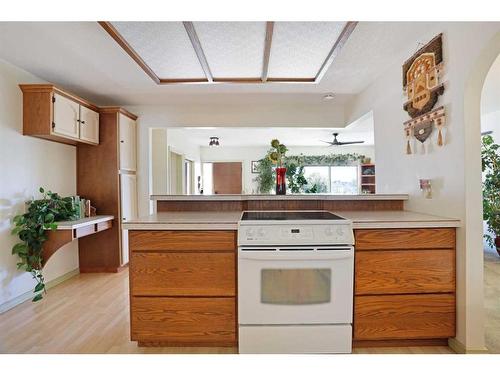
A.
x: 186, y: 220
x: 397, y: 219
x: 67, y: 225
x: 228, y: 220
x: 257, y: 197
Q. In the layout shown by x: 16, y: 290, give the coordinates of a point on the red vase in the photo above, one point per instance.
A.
x: 280, y: 181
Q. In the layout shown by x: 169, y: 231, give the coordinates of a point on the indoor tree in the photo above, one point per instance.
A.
x: 491, y: 189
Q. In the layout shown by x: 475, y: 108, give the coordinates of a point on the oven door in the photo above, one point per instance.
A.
x: 295, y: 284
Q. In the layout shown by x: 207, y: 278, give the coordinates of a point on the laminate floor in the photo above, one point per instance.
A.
x: 89, y: 314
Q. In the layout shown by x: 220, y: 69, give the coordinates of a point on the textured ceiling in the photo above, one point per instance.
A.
x: 91, y: 64
x: 233, y: 49
x: 164, y: 47
x: 300, y: 48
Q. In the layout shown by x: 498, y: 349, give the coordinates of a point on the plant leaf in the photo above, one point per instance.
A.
x: 38, y: 297
x: 41, y: 190
x: 39, y: 287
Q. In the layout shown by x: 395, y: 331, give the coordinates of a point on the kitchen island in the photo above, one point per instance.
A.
x: 183, y: 269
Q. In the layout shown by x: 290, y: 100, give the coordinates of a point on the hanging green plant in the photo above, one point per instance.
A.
x: 30, y: 227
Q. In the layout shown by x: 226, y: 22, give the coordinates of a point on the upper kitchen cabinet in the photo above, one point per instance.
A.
x: 127, y: 133
x: 89, y: 125
x: 53, y: 114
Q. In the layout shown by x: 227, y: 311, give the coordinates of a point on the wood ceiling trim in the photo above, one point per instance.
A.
x: 341, y: 40
x: 267, y: 50
x: 197, y: 48
x: 111, y: 30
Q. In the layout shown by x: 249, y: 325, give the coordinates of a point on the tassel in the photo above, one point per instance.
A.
x: 440, y: 138
x: 408, y: 147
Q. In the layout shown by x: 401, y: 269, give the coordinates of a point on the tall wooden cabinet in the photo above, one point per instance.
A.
x: 106, y: 174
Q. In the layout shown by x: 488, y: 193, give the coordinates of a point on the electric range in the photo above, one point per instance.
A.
x: 295, y: 282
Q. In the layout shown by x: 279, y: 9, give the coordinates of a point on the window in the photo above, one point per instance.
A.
x: 332, y: 179
x: 344, y: 180
x: 296, y: 286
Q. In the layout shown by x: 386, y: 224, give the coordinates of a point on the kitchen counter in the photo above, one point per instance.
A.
x: 228, y: 220
x: 274, y: 197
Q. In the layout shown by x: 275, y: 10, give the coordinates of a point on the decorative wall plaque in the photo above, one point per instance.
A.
x: 421, y: 78
x: 422, y: 85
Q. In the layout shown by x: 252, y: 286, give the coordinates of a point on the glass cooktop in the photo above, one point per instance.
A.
x: 290, y: 215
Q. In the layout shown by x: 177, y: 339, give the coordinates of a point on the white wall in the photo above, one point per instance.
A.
x: 491, y: 122
x: 248, y: 154
x: 158, y: 162
x: 454, y: 168
x: 27, y: 163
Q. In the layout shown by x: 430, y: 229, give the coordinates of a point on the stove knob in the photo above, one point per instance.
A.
x: 250, y: 232
x: 329, y: 231
x: 340, y: 231
x: 261, y: 232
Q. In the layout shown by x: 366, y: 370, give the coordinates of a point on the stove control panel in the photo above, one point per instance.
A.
x: 296, y: 234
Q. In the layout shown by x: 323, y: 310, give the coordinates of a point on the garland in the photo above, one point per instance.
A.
x: 295, y: 164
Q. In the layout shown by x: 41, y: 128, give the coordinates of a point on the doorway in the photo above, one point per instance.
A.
x: 227, y: 177
x: 176, y: 173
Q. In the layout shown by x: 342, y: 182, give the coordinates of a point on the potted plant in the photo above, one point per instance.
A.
x: 276, y: 156
x: 41, y: 215
x: 491, y: 189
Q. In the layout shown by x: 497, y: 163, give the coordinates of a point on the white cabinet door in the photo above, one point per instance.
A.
x: 128, y: 187
x: 89, y: 125
x: 127, y: 135
x: 66, y: 117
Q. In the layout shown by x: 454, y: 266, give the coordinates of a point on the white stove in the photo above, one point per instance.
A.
x: 295, y: 282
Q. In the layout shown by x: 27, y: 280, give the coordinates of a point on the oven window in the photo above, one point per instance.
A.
x: 296, y: 286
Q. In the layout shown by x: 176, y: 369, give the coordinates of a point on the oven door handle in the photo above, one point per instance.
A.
x: 296, y: 255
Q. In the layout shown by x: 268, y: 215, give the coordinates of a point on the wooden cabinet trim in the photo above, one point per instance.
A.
x: 43, y: 88
x: 182, y: 240
x: 118, y: 110
x: 401, y: 239
x: 405, y: 272
x: 411, y: 316
x: 183, y: 321
x: 182, y: 274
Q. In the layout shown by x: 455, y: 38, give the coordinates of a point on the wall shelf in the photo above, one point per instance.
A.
x: 68, y: 231
x: 367, y: 181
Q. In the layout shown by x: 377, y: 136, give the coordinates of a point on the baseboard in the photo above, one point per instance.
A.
x: 29, y: 294
x: 398, y: 343
x: 460, y: 348
x: 103, y: 269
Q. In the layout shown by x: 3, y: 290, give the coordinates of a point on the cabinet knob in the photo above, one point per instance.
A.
x: 122, y: 141
x: 83, y: 122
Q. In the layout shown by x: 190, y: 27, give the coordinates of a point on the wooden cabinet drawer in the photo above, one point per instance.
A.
x: 188, y: 240
x: 420, y: 238
x: 410, y: 316
x: 409, y: 271
x: 182, y: 274
x: 186, y: 321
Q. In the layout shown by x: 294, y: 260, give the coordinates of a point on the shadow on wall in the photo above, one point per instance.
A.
x: 8, y: 209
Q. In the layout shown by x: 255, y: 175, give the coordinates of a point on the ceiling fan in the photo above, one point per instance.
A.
x: 336, y: 142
